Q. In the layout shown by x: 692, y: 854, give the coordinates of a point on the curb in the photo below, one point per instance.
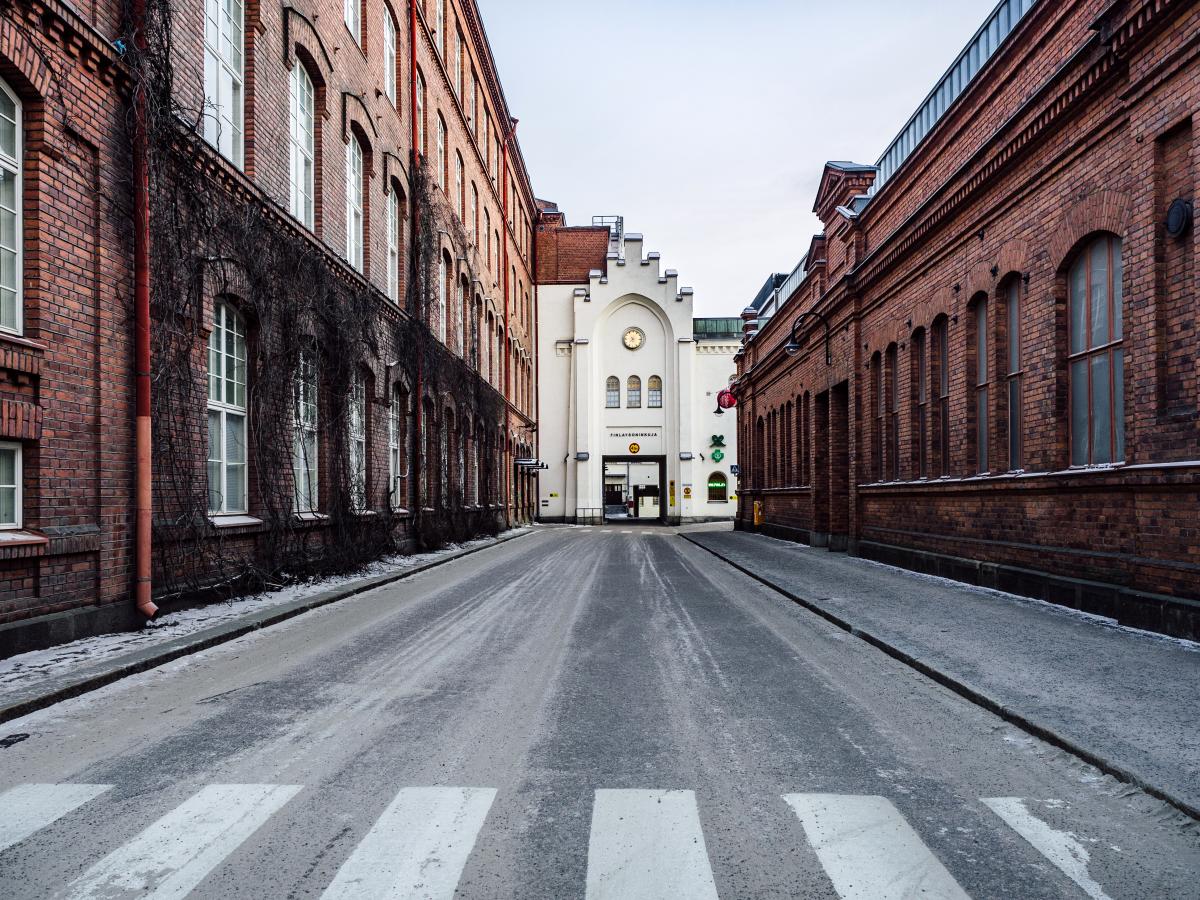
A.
x: 966, y: 691
x: 169, y: 651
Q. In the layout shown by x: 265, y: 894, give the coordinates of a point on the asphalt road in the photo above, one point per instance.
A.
x: 600, y: 713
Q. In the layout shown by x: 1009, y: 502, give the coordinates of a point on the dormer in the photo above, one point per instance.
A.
x: 843, y: 184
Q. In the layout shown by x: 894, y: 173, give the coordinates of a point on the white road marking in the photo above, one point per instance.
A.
x: 1062, y: 848
x: 647, y: 845
x: 31, y: 807
x: 173, y: 855
x: 869, y: 851
x: 417, y: 848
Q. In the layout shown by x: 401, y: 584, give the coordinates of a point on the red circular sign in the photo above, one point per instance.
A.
x: 726, y: 399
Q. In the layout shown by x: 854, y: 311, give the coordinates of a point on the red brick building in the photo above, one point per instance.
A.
x: 985, y: 366
x: 342, y: 322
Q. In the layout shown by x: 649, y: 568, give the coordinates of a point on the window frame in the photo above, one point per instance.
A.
x: 216, y: 67
x: 633, y: 392
x: 919, y: 343
x: 1014, y: 377
x: 612, y: 392
x: 443, y: 296
x: 16, y: 487
x: 390, y: 69
x: 14, y: 166
x: 941, y: 337
x: 981, y: 391
x: 355, y: 206
x: 724, y: 489
x: 654, y: 395
x: 358, y: 442
x: 352, y: 19
x: 1112, y: 350
x: 303, y: 156
x: 442, y: 154
x: 226, y: 314
x: 422, y: 147
x: 393, y: 245
x: 399, y: 442
x: 306, y: 429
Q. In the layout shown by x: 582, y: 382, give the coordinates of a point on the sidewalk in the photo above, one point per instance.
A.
x: 1127, y: 701
x: 31, y: 681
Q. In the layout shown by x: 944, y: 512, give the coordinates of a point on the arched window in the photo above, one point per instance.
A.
x: 612, y: 392
x: 11, y: 230
x: 304, y: 452
x: 460, y: 318
x: 654, y: 393
x: 354, y: 203
x: 474, y: 216
x: 352, y: 14
x: 227, y: 411
x: 760, y: 451
x: 421, y: 144
x: 487, y: 237
x: 443, y: 297
x: 303, y: 144
x: 356, y: 408
x: 224, y: 74
x: 788, y: 434
x: 399, y: 442
x: 1096, y: 354
x: 718, y: 488
x: 891, y: 364
x: 982, y: 368
x: 941, y: 367
x: 634, y: 387
x: 920, y: 389
x: 389, y: 56
x: 460, y: 190
x: 877, y: 410
x: 1012, y: 336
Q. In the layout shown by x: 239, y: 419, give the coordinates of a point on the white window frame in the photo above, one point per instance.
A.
x: 306, y: 446
x: 356, y: 411
x: 352, y: 16
x: 473, y: 104
x: 421, y: 113
x: 15, y: 487
x: 393, y: 245
x: 441, y: 152
x: 439, y: 26
x: 225, y: 77
x: 443, y: 296
x: 389, y: 55
x: 461, y: 305
x: 303, y: 145
x: 460, y: 187
x: 458, y: 64
x: 398, y: 418
x: 12, y: 301
x: 354, y: 203
x: 227, y: 320
x: 474, y: 214
x: 654, y: 396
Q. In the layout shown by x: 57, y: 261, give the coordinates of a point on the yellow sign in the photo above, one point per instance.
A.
x: 672, y: 493
x: 635, y: 448
x: 687, y: 492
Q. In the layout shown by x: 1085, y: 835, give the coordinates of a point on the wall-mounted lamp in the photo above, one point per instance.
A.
x: 995, y: 271
x: 793, y: 345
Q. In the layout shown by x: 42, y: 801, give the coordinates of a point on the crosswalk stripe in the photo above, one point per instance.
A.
x: 1066, y: 853
x: 869, y: 851
x: 417, y: 848
x: 173, y: 855
x: 647, y: 845
x: 31, y: 807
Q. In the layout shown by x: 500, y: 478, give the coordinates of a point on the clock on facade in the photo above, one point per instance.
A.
x: 633, y: 338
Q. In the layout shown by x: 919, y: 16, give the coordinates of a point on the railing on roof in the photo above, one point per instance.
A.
x: 792, y: 282
x: 999, y: 24
x: 715, y: 329
x: 616, y: 232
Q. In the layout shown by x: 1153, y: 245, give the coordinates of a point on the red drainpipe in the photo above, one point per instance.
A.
x: 508, y: 477
x: 141, y: 300
x: 418, y: 438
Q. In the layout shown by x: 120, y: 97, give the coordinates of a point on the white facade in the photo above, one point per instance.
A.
x: 631, y: 322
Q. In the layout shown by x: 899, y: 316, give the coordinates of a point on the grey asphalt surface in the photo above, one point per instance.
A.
x: 572, y: 661
x: 1130, y: 698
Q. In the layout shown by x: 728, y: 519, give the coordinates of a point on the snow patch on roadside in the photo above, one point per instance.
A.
x: 26, y: 669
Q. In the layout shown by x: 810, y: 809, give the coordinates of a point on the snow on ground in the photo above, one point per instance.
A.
x: 26, y: 669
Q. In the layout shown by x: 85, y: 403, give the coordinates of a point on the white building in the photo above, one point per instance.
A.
x: 628, y: 384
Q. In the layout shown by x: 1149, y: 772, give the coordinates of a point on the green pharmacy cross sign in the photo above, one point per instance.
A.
x: 718, y: 441
x: 718, y: 455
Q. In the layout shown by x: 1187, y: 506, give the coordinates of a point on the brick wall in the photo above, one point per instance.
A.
x: 1068, y: 133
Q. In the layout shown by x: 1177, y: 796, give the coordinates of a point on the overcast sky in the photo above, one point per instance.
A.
x: 706, y: 124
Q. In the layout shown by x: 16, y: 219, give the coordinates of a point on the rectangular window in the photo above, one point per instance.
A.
x: 441, y: 152
x: 389, y: 57
x: 458, y: 64
x: 303, y: 145
x: 357, y: 434
x: 393, y: 245
x: 878, y: 408
x: 224, y: 67
x: 473, y: 104
x: 941, y: 337
x: 11, y: 232
x: 922, y: 423
x: 352, y: 15
x: 893, y: 400
x: 1096, y: 362
x: 304, y: 455
x: 399, y: 440
x: 226, y: 412
x: 354, y: 203
x: 439, y: 25
x: 10, y: 486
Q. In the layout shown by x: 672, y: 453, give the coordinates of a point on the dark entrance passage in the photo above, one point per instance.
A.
x: 831, y: 469
x: 635, y: 488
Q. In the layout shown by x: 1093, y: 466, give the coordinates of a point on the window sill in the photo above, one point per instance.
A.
x: 11, y: 337
x: 311, y: 517
x: 237, y: 520
x: 18, y: 537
